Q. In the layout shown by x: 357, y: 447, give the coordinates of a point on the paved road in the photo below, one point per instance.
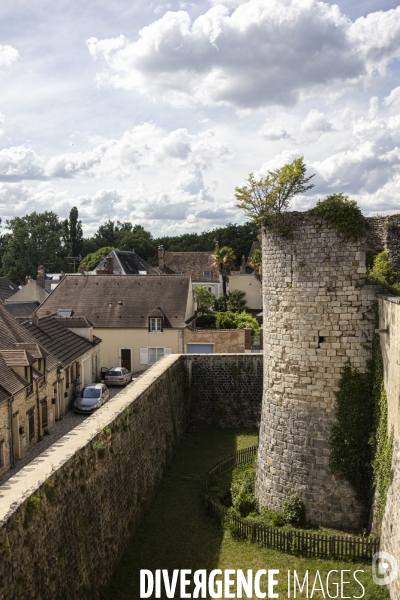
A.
x: 67, y: 423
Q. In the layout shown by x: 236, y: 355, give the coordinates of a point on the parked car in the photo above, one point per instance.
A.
x: 91, y: 398
x: 117, y: 376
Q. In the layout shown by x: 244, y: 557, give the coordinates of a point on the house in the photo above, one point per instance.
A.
x: 28, y: 390
x: 7, y: 289
x: 42, y: 366
x: 245, y: 281
x: 196, y: 265
x: 123, y: 262
x: 139, y: 318
x: 26, y: 300
x: 77, y: 353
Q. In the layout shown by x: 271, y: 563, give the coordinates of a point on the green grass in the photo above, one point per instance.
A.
x: 176, y: 533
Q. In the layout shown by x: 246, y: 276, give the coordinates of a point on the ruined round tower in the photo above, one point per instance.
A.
x: 317, y: 315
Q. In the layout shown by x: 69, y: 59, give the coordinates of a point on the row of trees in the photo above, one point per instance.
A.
x: 44, y: 238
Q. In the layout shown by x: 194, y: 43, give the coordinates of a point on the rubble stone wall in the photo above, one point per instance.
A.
x: 317, y: 315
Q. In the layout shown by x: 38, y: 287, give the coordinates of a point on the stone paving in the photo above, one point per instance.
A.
x: 68, y: 422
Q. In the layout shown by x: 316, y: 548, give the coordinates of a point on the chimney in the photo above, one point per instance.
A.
x: 62, y: 275
x: 28, y: 279
x: 83, y: 269
x: 35, y: 319
x: 110, y: 265
x: 161, y: 257
x: 243, y: 265
x: 40, y: 277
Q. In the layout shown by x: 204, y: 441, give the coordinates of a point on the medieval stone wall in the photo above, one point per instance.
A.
x: 383, y: 233
x: 225, y: 389
x: 317, y: 315
x: 66, y: 518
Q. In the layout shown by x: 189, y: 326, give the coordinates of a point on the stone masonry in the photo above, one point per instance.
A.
x: 317, y: 315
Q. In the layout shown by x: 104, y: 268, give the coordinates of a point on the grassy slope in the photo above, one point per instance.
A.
x: 176, y: 533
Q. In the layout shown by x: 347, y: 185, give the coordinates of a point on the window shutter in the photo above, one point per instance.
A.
x: 143, y: 356
x: 167, y: 351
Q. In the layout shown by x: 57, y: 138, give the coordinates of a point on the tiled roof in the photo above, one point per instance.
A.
x: 17, y: 358
x: 63, y: 344
x: 12, y: 332
x: 34, y: 350
x: 192, y: 264
x: 11, y: 383
x: 7, y: 288
x: 121, y: 300
x: 21, y: 309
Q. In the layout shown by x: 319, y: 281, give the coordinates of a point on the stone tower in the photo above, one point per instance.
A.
x: 317, y: 315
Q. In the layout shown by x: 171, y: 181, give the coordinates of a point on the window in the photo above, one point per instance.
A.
x: 44, y: 414
x: 2, y: 453
x: 207, y: 273
x: 178, y: 272
x: 155, y: 324
x: 155, y: 354
x: 149, y: 356
x: 31, y: 423
x: 65, y: 312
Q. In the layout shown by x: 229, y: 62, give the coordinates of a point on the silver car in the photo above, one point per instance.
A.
x: 117, y: 376
x: 91, y: 398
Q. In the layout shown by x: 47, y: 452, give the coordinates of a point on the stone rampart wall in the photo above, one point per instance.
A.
x: 66, y: 518
x: 383, y: 233
x: 389, y: 318
x: 225, y: 389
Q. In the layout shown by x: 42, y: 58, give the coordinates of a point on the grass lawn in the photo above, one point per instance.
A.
x: 177, y: 534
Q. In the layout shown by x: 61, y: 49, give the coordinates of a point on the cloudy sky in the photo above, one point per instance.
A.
x: 155, y: 112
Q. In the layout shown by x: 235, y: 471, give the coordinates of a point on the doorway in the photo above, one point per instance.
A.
x: 126, y: 361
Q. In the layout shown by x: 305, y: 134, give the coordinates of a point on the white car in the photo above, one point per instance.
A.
x: 117, y: 376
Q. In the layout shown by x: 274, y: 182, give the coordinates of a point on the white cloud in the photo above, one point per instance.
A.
x: 19, y: 162
x: 315, y: 122
x: 274, y: 133
x: 257, y: 54
x: 8, y: 55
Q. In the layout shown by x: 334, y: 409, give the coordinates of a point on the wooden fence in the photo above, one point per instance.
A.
x: 294, y: 542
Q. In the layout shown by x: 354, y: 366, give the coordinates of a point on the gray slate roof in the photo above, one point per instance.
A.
x: 121, y: 300
x: 21, y: 309
x: 7, y: 288
x: 127, y: 262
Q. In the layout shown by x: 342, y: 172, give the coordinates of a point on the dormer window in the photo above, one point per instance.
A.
x: 155, y: 325
x: 178, y: 272
x: 207, y: 273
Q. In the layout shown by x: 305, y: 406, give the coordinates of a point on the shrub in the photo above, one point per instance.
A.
x: 230, y: 320
x: 245, y: 502
x: 294, y: 510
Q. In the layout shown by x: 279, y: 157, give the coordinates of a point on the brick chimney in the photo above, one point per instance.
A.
x: 41, y: 276
x: 62, y: 275
x: 243, y: 265
x: 110, y: 265
x: 83, y: 269
x: 161, y: 257
x: 28, y: 279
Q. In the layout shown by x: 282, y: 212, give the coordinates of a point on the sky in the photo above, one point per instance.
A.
x: 153, y: 112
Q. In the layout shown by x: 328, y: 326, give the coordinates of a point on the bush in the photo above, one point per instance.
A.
x: 206, y: 321
x: 381, y: 273
x: 230, y: 320
x: 245, y: 502
x: 294, y: 510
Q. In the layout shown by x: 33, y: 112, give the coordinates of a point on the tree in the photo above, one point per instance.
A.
x: 92, y: 260
x: 73, y: 234
x: 223, y: 260
x: 266, y: 200
x: 33, y: 240
x: 255, y: 261
x: 204, y: 300
x: 236, y: 301
x: 106, y: 235
x: 136, y: 238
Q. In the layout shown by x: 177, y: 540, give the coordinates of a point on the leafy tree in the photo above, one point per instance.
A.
x: 136, y: 238
x: 92, y: 260
x: 106, y: 235
x: 223, y: 261
x: 33, y: 240
x: 88, y: 246
x: 73, y: 233
x: 204, y: 299
x: 231, y: 320
x: 236, y: 300
x: 265, y: 200
x: 255, y: 261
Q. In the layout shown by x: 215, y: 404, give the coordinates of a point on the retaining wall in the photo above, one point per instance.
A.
x: 66, y: 518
